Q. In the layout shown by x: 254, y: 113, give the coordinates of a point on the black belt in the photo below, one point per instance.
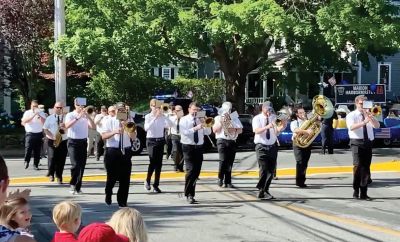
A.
x: 266, y: 145
x: 156, y: 139
x: 34, y: 133
x: 81, y: 140
x: 116, y: 148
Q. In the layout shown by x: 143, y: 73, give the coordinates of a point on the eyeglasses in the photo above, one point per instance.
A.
x: 34, y: 106
x: 361, y: 103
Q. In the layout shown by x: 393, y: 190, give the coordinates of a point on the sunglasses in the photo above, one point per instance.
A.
x: 59, y: 107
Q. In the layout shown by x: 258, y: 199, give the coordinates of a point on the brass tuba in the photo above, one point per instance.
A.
x: 226, y: 125
x: 322, y: 107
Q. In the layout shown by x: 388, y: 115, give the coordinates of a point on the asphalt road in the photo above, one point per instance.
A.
x: 325, y: 211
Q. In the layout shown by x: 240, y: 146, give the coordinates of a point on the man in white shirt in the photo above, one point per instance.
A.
x: 266, y: 136
x: 154, y: 124
x: 77, y: 122
x: 176, y: 138
x: 302, y: 155
x: 91, y: 139
x: 360, y: 124
x: 117, y: 158
x: 56, y: 156
x: 33, y: 120
x: 226, y: 136
x: 192, y: 139
x: 99, y: 120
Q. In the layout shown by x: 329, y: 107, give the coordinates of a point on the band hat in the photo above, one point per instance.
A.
x: 100, y: 232
x: 103, y: 107
x: 343, y: 109
x: 225, y: 108
x: 268, y: 106
x: 120, y: 105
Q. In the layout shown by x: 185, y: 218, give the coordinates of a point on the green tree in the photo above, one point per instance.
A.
x: 26, y: 27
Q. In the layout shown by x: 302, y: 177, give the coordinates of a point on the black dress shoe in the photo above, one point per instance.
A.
x: 191, y: 200
x: 26, y: 164
x: 268, y: 196
x: 229, y: 185
x: 35, y: 167
x: 51, y: 178
x: 108, y: 199
x: 369, y: 181
x: 261, y: 194
x: 122, y: 205
x: 356, y: 195
x: 302, y: 185
x: 365, y: 197
x: 59, y: 181
x: 156, y: 190
x: 220, y: 182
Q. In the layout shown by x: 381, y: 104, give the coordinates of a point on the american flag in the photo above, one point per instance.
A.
x: 382, y: 133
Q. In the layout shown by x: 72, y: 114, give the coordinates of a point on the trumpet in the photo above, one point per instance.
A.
x: 376, y: 110
x: 165, y: 107
x: 89, y: 110
x: 280, y: 119
x: 208, y: 122
x: 130, y: 127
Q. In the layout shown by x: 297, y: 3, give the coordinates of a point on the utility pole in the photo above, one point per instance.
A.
x: 59, y: 61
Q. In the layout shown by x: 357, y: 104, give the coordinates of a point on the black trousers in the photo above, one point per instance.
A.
x: 227, y: 153
x: 155, y: 148
x: 266, y: 157
x: 177, y: 154
x: 118, y: 167
x: 33, y: 144
x: 56, y: 158
x: 77, y: 149
x: 168, y: 142
x: 193, y: 155
x: 327, y: 138
x: 99, y: 146
x: 362, y: 156
x: 302, y: 156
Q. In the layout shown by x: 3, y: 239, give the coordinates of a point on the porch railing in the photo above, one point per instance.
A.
x: 254, y: 100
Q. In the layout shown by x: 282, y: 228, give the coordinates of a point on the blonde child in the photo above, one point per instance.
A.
x: 19, y: 216
x: 67, y: 217
x: 129, y: 222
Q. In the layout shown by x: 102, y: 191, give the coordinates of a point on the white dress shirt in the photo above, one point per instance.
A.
x: 110, y: 124
x: 80, y: 129
x: 260, y: 121
x: 52, y: 125
x: 295, y: 124
x: 35, y: 125
x: 174, y: 128
x: 221, y: 135
x: 100, y: 125
x: 186, y: 125
x: 357, y: 117
x: 155, y: 127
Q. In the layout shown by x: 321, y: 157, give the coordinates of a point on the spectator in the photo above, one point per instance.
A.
x: 8, y: 235
x: 129, y: 222
x: 100, y: 232
x: 67, y: 217
x: 19, y: 215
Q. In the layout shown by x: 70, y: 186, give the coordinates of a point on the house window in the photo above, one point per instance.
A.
x: 166, y: 73
x: 385, y: 74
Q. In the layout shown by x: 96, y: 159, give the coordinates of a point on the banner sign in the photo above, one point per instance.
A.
x: 345, y: 94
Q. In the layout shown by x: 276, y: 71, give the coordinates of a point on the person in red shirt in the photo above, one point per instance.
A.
x: 67, y: 217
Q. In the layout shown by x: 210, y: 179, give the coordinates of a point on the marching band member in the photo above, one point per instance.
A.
x: 266, y: 147
x: 92, y: 131
x: 176, y: 138
x: 302, y: 155
x: 33, y: 120
x: 77, y: 122
x: 117, y: 158
x: 226, y: 131
x: 360, y: 124
x: 54, y: 128
x: 192, y: 139
x: 99, y: 120
x: 154, y: 124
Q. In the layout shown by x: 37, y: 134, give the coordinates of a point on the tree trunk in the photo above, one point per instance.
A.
x: 235, y: 92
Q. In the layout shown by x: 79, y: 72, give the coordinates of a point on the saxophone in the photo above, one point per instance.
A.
x: 322, y: 107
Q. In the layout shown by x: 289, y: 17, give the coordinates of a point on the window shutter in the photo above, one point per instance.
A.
x: 172, y: 73
x: 160, y: 71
